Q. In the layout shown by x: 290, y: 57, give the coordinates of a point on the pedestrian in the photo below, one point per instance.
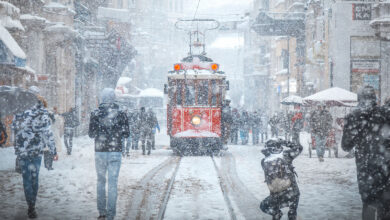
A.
x: 264, y: 128
x: 226, y: 121
x: 280, y: 178
x: 48, y: 157
x: 108, y: 126
x: 126, y: 148
x: 3, y: 134
x: 296, y: 123
x: 235, y: 126
x: 367, y: 131
x: 70, y: 123
x: 244, y: 127
x: 255, y: 122
x: 33, y: 134
x: 134, y: 123
x: 147, y: 123
x: 274, y: 123
x: 155, y: 128
x: 320, y: 124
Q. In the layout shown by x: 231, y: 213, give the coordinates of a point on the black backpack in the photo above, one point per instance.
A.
x: 276, y: 171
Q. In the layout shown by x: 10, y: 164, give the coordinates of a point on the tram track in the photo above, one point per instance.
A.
x: 147, y: 198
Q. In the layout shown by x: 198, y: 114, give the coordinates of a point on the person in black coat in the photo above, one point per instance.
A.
x: 367, y: 130
x: 108, y: 126
x: 70, y: 123
x: 277, y: 165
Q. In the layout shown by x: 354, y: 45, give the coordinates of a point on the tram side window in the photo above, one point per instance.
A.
x: 190, y: 94
x: 203, y: 92
x: 179, y: 89
x: 214, y: 92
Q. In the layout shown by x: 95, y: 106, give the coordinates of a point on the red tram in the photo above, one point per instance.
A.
x: 196, y: 91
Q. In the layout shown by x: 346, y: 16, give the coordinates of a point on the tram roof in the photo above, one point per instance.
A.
x: 197, y: 74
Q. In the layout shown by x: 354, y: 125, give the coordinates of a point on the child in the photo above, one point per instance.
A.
x: 280, y: 178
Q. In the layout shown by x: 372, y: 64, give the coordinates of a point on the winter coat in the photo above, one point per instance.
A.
x: 297, y: 121
x: 226, y: 116
x: 321, y: 122
x: 292, y: 152
x: 235, y: 120
x: 256, y: 123
x: 108, y: 126
x: 148, y: 122
x: 368, y: 132
x: 245, y: 122
x: 33, y: 132
x: 71, y: 120
x: 274, y: 121
x: 3, y: 134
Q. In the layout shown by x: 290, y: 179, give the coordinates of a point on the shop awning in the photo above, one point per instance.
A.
x: 10, y: 51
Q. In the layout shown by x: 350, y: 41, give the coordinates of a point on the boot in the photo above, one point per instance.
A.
x: 321, y: 159
x: 148, y: 152
x: 277, y: 216
x: 32, y: 213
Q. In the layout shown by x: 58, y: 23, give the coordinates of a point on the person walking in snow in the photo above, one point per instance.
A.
x: 33, y: 134
x: 155, y: 128
x: 274, y: 123
x: 3, y: 133
x: 147, y: 124
x: 320, y: 124
x: 255, y: 123
x: 280, y: 178
x: 264, y: 128
x: 134, y: 124
x: 367, y: 130
x: 108, y: 126
x: 235, y: 126
x: 70, y: 123
x: 244, y: 127
x: 226, y: 121
x: 296, y: 123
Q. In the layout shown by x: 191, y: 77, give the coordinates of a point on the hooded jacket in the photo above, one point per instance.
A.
x: 33, y: 132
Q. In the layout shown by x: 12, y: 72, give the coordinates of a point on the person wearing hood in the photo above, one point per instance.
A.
x: 367, y: 131
x: 280, y: 175
x: 320, y: 123
x: 34, y: 133
x: 108, y: 126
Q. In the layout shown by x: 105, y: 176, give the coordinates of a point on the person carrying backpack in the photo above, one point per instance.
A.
x: 280, y: 178
x: 108, y: 126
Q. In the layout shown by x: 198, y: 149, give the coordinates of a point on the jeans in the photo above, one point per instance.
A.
x: 30, y: 173
x: 320, y: 144
x: 126, y: 149
x: 68, y: 139
x: 107, y: 166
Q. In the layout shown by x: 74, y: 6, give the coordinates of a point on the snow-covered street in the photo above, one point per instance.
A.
x: 328, y: 190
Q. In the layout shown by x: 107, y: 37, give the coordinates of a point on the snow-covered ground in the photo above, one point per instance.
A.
x: 328, y: 190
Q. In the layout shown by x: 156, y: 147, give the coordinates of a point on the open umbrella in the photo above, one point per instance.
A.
x: 15, y: 100
x: 292, y: 100
x: 332, y: 97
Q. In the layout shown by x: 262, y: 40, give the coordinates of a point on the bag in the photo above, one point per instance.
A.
x: 18, y: 169
x: 276, y: 172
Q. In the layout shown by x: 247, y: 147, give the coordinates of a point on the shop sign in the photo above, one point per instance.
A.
x: 366, y: 66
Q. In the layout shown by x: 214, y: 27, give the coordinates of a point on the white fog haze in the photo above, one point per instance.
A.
x: 195, y: 109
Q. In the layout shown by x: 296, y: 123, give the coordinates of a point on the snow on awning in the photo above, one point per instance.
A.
x: 9, y: 16
x: 332, y: 96
x: 13, y: 54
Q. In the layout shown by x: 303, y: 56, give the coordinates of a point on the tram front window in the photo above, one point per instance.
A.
x: 190, y: 94
x: 214, y: 92
x: 203, y: 93
x: 179, y: 97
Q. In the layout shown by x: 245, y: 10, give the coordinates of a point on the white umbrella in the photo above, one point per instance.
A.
x: 333, y: 97
x: 292, y: 100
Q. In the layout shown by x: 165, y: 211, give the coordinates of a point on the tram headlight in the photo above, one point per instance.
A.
x: 195, y: 120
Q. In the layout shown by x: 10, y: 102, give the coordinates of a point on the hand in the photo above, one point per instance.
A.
x: 55, y: 158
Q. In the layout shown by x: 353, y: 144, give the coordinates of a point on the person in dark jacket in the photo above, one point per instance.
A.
x: 147, y: 124
x: 155, y: 128
x: 70, y: 123
x: 33, y: 135
x: 244, y: 127
x: 235, y: 126
x: 3, y: 133
x: 320, y: 124
x: 367, y: 130
x: 256, y: 125
x: 226, y: 121
x: 274, y: 123
x: 297, y: 124
x: 108, y: 126
x: 134, y: 123
x: 283, y: 193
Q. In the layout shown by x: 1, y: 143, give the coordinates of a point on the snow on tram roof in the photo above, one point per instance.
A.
x: 200, y: 74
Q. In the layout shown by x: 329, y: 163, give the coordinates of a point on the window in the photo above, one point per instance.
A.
x: 190, y: 93
x: 214, y: 92
x: 203, y: 92
x: 179, y: 89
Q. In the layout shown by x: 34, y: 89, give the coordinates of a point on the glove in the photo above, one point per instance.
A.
x: 55, y: 158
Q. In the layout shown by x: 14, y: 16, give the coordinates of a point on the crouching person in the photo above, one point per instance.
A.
x: 280, y: 178
x: 33, y: 135
x: 108, y: 126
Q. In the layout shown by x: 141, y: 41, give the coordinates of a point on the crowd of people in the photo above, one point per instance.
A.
x: 116, y: 131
